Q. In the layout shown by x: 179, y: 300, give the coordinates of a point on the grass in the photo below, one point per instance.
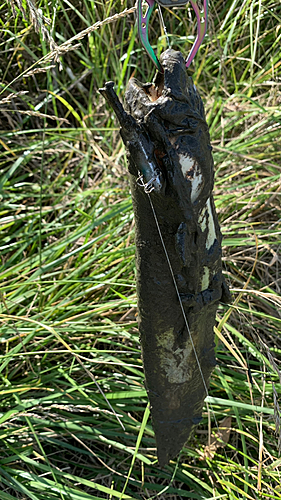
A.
x: 74, y: 417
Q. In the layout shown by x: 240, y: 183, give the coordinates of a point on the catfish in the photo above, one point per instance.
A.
x: 178, y: 245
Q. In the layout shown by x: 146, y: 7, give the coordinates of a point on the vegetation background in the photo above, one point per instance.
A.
x: 74, y: 415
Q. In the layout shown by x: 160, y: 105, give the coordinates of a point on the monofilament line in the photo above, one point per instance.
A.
x: 184, y: 315
x: 163, y: 25
x: 178, y: 293
x: 181, y: 304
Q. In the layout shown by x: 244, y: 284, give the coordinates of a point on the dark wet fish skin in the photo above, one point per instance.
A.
x: 175, y: 124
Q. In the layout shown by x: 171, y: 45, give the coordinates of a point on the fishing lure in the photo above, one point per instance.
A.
x: 178, y: 245
x: 143, y: 20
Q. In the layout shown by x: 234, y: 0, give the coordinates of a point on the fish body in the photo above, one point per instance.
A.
x: 178, y: 296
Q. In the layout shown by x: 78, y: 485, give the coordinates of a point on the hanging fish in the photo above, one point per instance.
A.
x: 178, y: 245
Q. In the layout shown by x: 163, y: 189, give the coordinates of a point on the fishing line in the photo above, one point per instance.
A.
x: 178, y: 293
x: 180, y: 300
x: 148, y: 189
x: 163, y: 25
x: 183, y: 311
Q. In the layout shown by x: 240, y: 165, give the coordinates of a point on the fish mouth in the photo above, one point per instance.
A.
x: 155, y: 90
x: 171, y: 82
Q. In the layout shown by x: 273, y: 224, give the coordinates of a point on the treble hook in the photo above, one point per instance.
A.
x: 143, y: 20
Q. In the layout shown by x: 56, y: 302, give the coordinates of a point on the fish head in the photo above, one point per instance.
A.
x: 172, y: 113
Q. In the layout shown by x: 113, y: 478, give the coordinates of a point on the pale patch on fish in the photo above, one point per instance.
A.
x: 174, y: 362
x: 202, y: 219
x: 206, y: 279
x: 187, y: 163
x: 206, y: 217
x: 192, y: 172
